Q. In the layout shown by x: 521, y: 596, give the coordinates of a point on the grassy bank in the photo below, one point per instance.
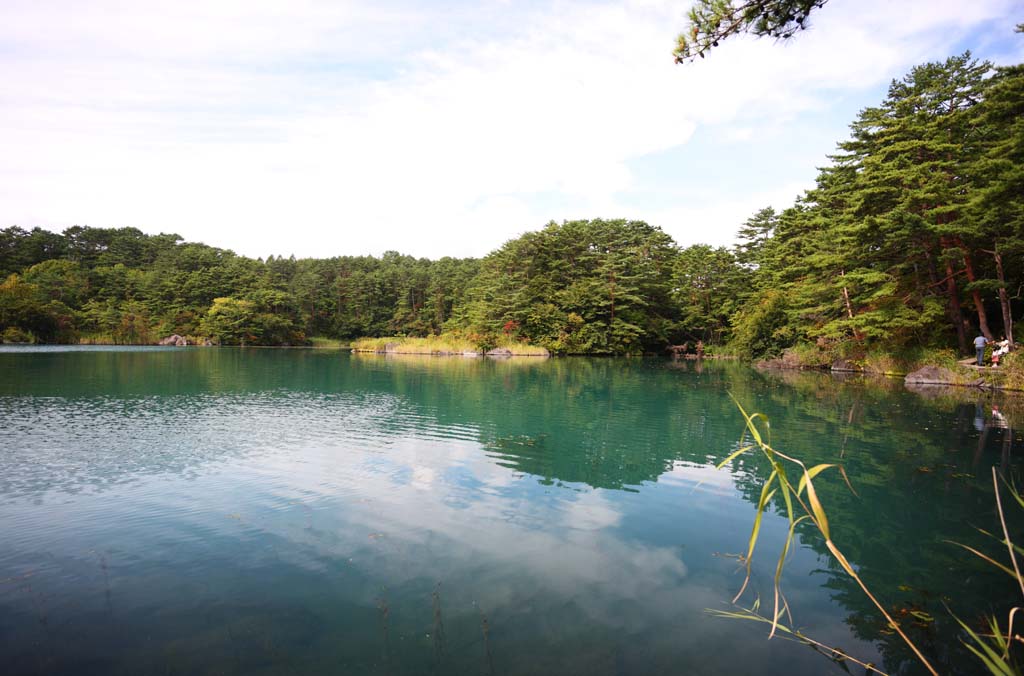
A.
x: 331, y: 343
x: 851, y: 357
x: 114, y: 339
x: 444, y: 344
x: 1008, y: 375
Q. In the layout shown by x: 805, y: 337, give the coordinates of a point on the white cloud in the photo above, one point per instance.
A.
x: 330, y: 128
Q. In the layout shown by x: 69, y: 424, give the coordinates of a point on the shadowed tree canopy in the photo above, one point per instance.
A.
x: 714, y: 20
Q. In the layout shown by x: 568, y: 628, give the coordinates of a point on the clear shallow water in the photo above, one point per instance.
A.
x: 220, y: 511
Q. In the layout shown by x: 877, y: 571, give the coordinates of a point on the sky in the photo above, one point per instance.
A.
x: 351, y: 127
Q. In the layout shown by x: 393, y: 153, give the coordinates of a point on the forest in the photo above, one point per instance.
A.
x: 911, y: 239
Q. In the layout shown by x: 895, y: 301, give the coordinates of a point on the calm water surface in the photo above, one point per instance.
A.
x: 231, y: 511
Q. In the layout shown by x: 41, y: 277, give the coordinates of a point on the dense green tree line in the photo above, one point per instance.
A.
x: 123, y: 286
x: 599, y: 287
x: 602, y: 287
x: 913, y: 235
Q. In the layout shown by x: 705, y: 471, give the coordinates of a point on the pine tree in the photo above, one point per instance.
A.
x: 997, y: 204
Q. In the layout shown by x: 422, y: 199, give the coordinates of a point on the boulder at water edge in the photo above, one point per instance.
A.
x: 174, y: 339
x: 931, y: 375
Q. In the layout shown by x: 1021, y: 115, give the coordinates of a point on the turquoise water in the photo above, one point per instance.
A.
x: 248, y: 511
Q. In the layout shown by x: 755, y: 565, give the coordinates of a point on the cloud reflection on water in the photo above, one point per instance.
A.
x: 573, y: 505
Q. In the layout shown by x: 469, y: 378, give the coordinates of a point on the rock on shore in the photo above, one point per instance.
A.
x: 931, y: 375
x: 174, y: 339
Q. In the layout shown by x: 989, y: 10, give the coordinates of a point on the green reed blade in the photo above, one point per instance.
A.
x: 810, y: 474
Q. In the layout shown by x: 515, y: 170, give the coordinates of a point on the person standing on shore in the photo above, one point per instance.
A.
x: 979, y: 344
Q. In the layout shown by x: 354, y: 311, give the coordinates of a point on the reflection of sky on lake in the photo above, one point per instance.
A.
x: 275, y: 488
x: 297, y: 529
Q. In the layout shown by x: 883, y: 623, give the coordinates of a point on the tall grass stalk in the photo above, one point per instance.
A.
x: 992, y: 648
x: 994, y: 652
x: 810, y: 510
x: 831, y: 653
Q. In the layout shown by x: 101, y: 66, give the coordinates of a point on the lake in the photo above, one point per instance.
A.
x: 293, y: 511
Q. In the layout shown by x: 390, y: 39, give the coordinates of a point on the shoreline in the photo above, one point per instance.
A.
x: 469, y: 354
x: 928, y: 375
x: 966, y: 375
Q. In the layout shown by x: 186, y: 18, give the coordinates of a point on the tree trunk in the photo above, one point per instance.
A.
x: 956, y: 315
x: 611, y: 320
x: 1004, y: 301
x: 975, y: 294
x: 849, y: 308
x: 846, y: 298
x: 933, y: 275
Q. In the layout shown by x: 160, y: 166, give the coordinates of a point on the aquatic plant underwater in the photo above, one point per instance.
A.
x: 994, y: 648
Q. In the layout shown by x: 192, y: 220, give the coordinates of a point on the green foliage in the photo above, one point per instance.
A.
x: 327, y: 343
x: 13, y: 334
x: 715, y: 20
x: 266, y: 317
x: 59, y: 280
x: 21, y: 249
x: 707, y: 286
x: 32, y: 310
x: 445, y: 344
x: 754, y: 235
x: 601, y: 287
x: 762, y: 327
x: 122, y: 286
x: 802, y: 505
x: 908, y: 235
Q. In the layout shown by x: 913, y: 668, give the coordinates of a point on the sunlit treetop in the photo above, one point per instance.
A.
x: 714, y: 20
